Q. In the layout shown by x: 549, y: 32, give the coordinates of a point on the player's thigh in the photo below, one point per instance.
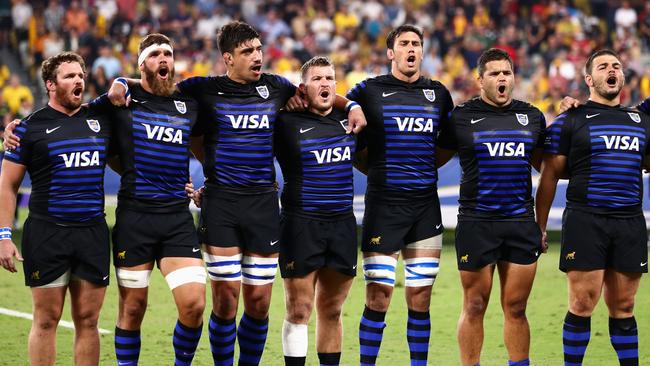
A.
x: 299, y: 294
x: 302, y: 246
x: 86, y: 299
x: 332, y: 288
x: 477, y: 245
x: 48, y: 303
x: 619, y: 291
x: 516, y: 282
x: 477, y: 285
x: 585, y: 287
x: 585, y: 241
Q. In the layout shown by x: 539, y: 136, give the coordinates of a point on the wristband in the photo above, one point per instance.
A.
x: 122, y: 80
x: 351, y: 105
x: 5, y: 233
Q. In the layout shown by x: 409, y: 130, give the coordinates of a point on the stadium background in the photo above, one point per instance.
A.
x: 548, y: 41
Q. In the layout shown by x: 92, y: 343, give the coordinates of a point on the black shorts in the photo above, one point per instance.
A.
x: 50, y: 250
x: 142, y: 237
x: 251, y: 222
x: 591, y: 242
x: 311, y: 244
x: 387, y: 228
x: 479, y: 243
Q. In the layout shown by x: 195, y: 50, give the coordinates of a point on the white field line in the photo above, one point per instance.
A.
x: 63, y: 323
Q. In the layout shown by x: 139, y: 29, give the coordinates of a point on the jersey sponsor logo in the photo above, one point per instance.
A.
x: 93, y: 124
x: 522, y: 118
x: 249, y: 121
x: 635, y: 117
x: 332, y: 155
x: 589, y: 116
x: 414, y: 124
x: 430, y: 94
x: 384, y: 94
x: 306, y: 129
x: 50, y: 130
x: 81, y: 159
x: 164, y: 134
x: 506, y: 148
x: 621, y: 142
x: 263, y: 91
x: 180, y: 106
x: 476, y: 120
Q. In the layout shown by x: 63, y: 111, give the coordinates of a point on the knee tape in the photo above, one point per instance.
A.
x: 294, y: 339
x: 434, y: 242
x: 186, y: 275
x: 63, y: 280
x: 380, y: 269
x: 132, y: 279
x: 420, y: 272
x: 222, y: 268
x: 258, y: 271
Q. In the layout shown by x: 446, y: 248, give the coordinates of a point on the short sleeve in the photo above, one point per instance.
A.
x: 22, y: 154
x: 101, y: 104
x: 357, y: 93
x: 644, y: 107
x: 447, y: 135
x: 287, y: 89
x: 558, y: 137
x: 542, y: 131
x: 193, y: 86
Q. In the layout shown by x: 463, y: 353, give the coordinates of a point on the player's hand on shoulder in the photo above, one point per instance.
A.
x: 356, y: 120
x: 11, y: 141
x: 297, y: 103
x: 8, y: 251
x: 119, y: 94
x: 568, y: 103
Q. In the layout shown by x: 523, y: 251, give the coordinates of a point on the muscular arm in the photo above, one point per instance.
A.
x: 12, y: 175
x: 536, y: 158
x: 443, y: 156
x: 553, y: 167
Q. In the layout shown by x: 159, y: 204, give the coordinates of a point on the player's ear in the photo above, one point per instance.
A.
x: 589, y: 80
x: 390, y: 54
x: 227, y: 58
x: 50, y: 85
x: 303, y: 88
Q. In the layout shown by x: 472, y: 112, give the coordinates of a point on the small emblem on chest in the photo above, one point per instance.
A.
x: 522, y: 119
x: 263, y: 91
x: 180, y: 106
x: 430, y: 94
x: 93, y: 124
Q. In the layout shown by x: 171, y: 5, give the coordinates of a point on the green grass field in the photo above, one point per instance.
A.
x: 546, y: 310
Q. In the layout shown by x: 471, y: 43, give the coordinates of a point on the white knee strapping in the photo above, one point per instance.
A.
x: 420, y: 272
x: 294, y: 339
x: 63, y: 280
x: 186, y: 275
x: 132, y: 279
x: 222, y: 268
x: 258, y: 271
x: 380, y: 269
x: 434, y: 242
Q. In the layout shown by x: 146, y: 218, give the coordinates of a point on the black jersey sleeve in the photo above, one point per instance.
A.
x: 286, y: 87
x: 447, y: 136
x: 102, y: 105
x: 357, y: 93
x: 644, y: 107
x: 542, y: 131
x: 22, y: 154
x: 193, y: 86
x: 558, y: 138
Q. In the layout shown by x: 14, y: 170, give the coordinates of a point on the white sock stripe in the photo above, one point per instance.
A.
x: 295, y: 339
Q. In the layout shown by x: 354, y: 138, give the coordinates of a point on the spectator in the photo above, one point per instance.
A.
x: 15, y: 94
x: 625, y: 19
x: 111, y: 65
x: 76, y: 18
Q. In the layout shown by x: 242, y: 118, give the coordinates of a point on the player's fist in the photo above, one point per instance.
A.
x: 568, y: 103
x: 356, y: 120
x: 8, y: 251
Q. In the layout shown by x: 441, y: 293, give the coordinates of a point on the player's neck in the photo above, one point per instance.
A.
x: 320, y: 112
x: 145, y: 84
x: 236, y: 78
x: 405, y: 78
x: 487, y: 100
x: 54, y: 104
x: 597, y: 98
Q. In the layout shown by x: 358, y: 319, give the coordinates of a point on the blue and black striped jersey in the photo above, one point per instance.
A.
x: 403, y: 122
x: 152, y: 140
x: 495, y: 147
x: 237, y: 121
x: 65, y: 157
x: 605, y: 147
x: 316, y: 157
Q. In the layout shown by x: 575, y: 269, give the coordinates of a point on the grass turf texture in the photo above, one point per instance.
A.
x: 546, y: 310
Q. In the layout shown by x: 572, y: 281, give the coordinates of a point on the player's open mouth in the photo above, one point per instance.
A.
x: 501, y: 89
x: 77, y: 91
x: 163, y: 72
x: 257, y: 69
x: 611, y: 81
x: 411, y: 60
x: 324, y: 94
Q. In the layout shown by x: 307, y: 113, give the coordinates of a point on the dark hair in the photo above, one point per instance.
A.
x: 234, y: 34
x: 313, y: 62
x: 492, y: 54
x: 153, y: 38
x: 589, y: 65
x: 50, y: 66
x: 404, y: 28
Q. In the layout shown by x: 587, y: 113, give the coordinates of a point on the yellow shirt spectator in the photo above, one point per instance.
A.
x: 14, y: 93
x: 346, y: 20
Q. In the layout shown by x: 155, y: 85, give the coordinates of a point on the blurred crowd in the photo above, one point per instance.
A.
x: 548, y: 40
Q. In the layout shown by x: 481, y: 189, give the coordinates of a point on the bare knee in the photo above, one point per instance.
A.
x: 225, y: 299
x: 192, y: 309
x: 86, y: 319
x: 583, y: 304
x: 46, y: 321
x: 515, y: 309
x: 257, y: 301
x: 475, y: 306
x: 299, y: 311
x: 133, y: 310
x: 418, y: 298
x: 378, y: 297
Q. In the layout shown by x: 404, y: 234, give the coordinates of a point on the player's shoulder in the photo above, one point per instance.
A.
x: 523, y: 106
x: 201, y: 81
x: 274, y: 80
x: 428, y: 83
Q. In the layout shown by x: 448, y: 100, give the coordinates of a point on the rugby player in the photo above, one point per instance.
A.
x: 601, y: 147
x: 318, y: 256
x: 65, y: 240
x: 240, y: 213
x: 397, y: 150
x: 497, y: 138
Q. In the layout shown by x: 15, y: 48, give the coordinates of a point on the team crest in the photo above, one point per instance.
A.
x: 180, y: 107
x: 93, y: 124
x: 430, y: 94
x: 263, y: 91
x: 344, y: 123
x: 522, y: 119
x: 635, y: 117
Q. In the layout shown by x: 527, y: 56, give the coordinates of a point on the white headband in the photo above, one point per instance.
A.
x: 145, y: 53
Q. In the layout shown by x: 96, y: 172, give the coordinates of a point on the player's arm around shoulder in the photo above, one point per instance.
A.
x: 10, y: 179
x: 447, y: 143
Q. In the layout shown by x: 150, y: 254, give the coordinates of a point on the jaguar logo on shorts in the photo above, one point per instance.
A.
x: 464, y: 258
x: 375, y: 240
x: 121, y: 255
x: 570, y: 256
x: 36, y: 275
x: 291, y: 266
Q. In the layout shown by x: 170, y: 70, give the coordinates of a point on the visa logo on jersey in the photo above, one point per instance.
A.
x: 81, y: 159
x: 332, y: 155
x: 164, y: 134
x: 621, y: 142
x: 249, y: 121
x: 506, y: 149
x: 414, y: 124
